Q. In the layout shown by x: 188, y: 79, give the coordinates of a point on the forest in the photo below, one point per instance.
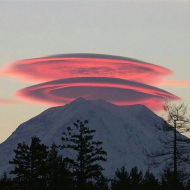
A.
x: 37, y: 166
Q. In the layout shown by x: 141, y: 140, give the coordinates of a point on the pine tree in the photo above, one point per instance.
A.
x: 102, y: 183
x: 150, y: 182
x: 136, y: 178
x: 22, y: 164
x: 168, y: 180
x: 59, y: 176
x: 54, y: 163
x: 5, y: 182
x: 85, y: 165
x: 121, y: 180
x: 38, y: 158
x: 124, y: 180
x: 30, y: 165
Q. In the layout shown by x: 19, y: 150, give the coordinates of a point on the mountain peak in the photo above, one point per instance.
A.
x: 126, y: 131
x: 79, y: 100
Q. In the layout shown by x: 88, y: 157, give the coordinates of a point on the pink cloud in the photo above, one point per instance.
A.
x: 117, y: 91
x: 119, y: 80
x: 7, y: 102
x: 176, y: 83
x: 85, y: 65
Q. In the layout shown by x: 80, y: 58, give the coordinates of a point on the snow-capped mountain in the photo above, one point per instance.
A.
x: 126, y: 131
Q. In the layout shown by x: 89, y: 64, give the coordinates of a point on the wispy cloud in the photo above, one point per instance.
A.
x: 176, y: 84
x: 8, y: 102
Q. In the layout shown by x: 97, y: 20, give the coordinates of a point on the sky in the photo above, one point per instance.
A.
x: 149, y: 32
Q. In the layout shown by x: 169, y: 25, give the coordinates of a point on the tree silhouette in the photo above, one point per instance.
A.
x: 30, y: 165
x: 6, y: 182
x: 130, y: 181
x: 136, y: 178
x: 168, y: 180
x: 21, y: 161
x: 85, y: 165
x: 176, y: 147
x: 150, y: 182
x: 121, y: 180
x: 58, y: 174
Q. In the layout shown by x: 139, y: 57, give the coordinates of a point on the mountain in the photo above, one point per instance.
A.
x: 127, y: 132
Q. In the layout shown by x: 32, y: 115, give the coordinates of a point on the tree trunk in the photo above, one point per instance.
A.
x: 175, y: 154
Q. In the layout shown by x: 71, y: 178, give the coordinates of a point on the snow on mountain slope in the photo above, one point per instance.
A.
x: 126, y: 131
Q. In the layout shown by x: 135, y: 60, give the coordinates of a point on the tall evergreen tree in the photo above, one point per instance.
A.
x: 38, y: 159
x: 150, y: 182
x: 168, y: 180
x: 121, y: 180
x: 59, y: 176
x: 21, y: 161
x: 124, y: 180
x: 136, y: 178
x: 54, y: 163
x: 6, y: 182
x: 85, y: 166
x: 102, y: 183
x: 30, y: 165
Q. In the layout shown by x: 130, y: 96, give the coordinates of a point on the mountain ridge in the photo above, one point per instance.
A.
x: 127, y: 132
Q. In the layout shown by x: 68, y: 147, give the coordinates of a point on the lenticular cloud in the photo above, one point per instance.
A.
x: 119, y: 80
x: 117, y: 91
x: 85, y: 65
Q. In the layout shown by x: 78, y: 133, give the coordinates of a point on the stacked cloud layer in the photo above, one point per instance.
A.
x: 120, y: 80
x: 86, y: 65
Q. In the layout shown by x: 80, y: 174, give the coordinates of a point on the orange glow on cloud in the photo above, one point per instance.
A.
x: 117, y: 91
x: 85, y: 65
x: 176, y: 84
x: 7, y: 102
x: 119, y: 80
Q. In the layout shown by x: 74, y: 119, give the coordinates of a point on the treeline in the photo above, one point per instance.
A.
x: 123, y: 180
x: 39, y: 167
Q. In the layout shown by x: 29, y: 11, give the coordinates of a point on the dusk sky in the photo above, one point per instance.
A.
x: 150, y: 39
